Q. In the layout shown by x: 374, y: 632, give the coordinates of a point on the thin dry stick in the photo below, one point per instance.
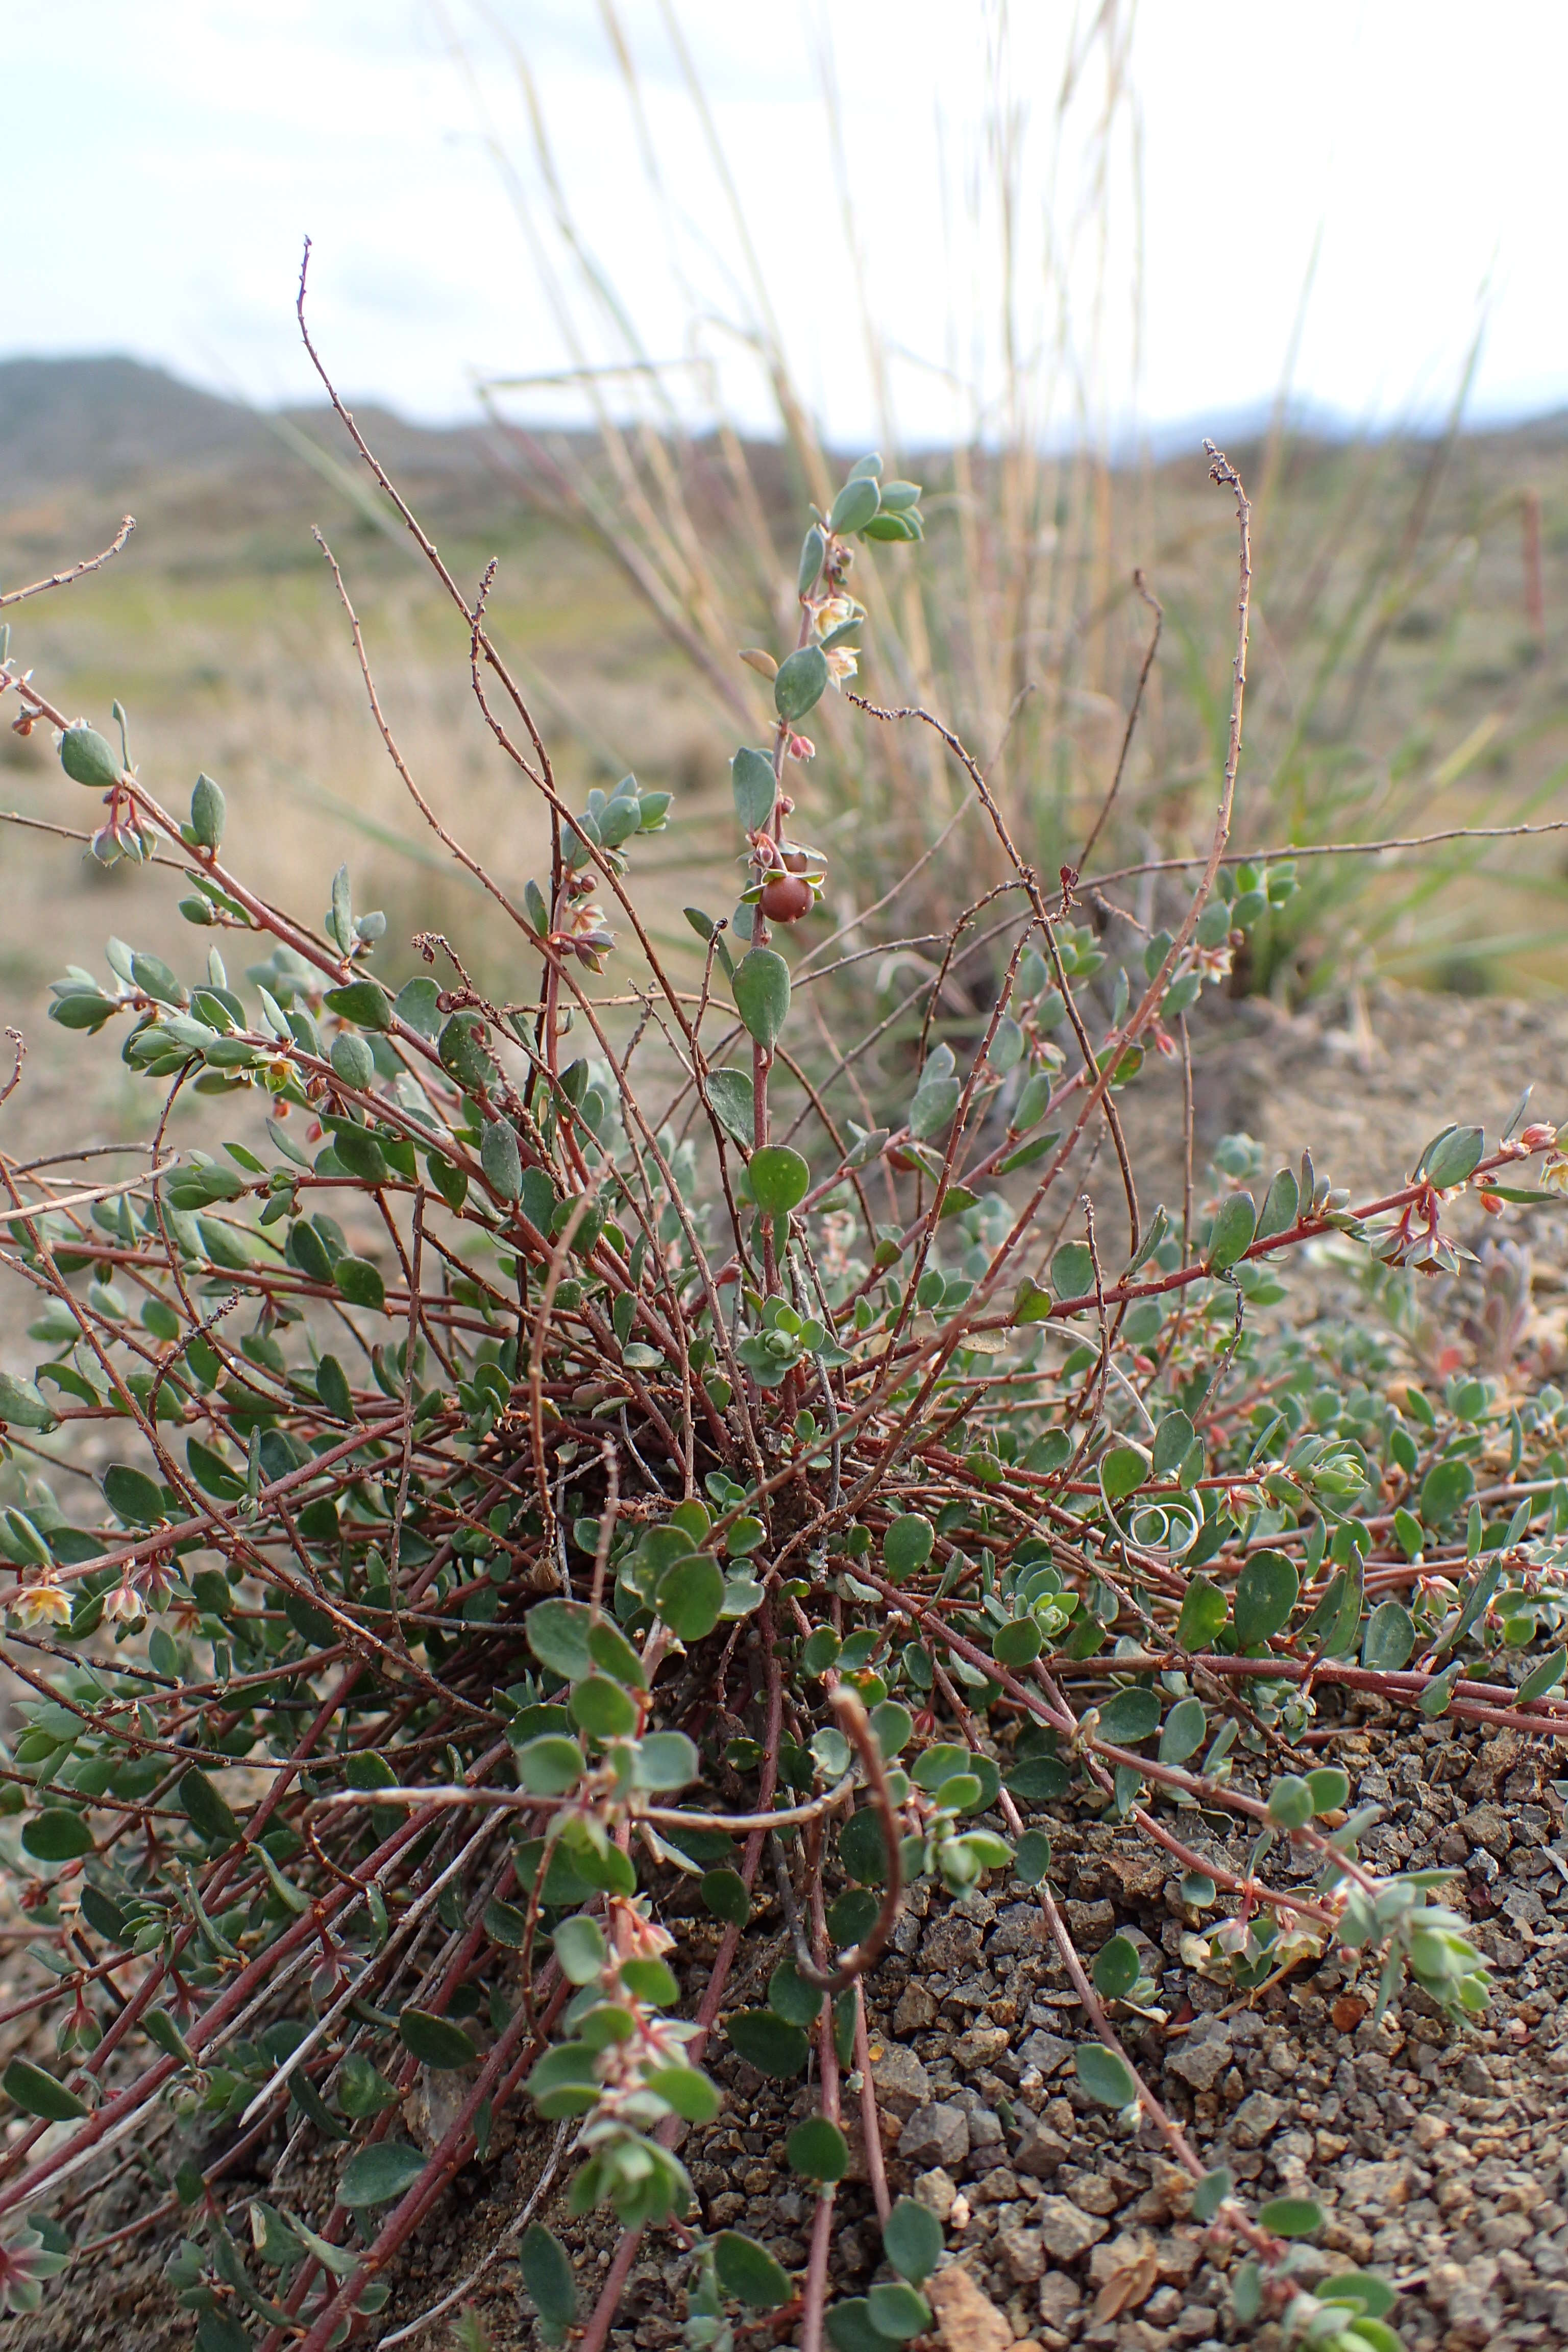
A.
x: 76, y: 572
x: 405, y: 1467
x: 1225, y: 476
x: 1109, y: 801
x: 1291, y: 849
x: 1031, y: 882
x: 447, y: 840
x: 1222, y: 473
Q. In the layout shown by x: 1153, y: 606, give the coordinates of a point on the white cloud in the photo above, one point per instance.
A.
x: 166, y: 160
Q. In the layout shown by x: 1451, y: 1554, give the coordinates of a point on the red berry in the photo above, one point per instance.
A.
x: 786, y: 898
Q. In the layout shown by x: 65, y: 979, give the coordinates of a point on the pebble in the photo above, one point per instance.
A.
x: 937, y: 2134
x: 902, y: 2083
x: 951, y: 1943
x: 1258, y: 2114
x: 1067, y: 2230
x: 1060, y: 2296
x: 1202, y: 2055
x: 966, y: 2320
x: 1047, y: 2052
x: 1092, y: 2191
x: 1023, y: 2252
x: 916, y: 2011
x: 1040, y: 2150
x: 981, y: 2046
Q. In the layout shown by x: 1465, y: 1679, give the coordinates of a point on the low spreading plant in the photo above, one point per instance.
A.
x: 545, y: 1486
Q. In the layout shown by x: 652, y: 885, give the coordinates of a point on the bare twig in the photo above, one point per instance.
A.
x: 74, y: 570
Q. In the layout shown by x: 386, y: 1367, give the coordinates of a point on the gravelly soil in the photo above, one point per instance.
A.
x: 1440, y: 2155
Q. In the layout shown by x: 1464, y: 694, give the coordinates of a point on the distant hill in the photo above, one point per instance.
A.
x: 110, y: 433
x: 106, y: 423
x: 107, y: 420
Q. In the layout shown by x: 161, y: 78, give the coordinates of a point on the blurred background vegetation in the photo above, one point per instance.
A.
x: 1401, y: 681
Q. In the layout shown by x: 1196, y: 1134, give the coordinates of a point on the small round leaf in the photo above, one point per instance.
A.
x: 1291, y: 1803
x: 862, y: 1849
x: 1130, y: 1716
x: 898, y: 2311
x: 749, y: 2272
x: 791, y: 1998
x: 1211, y: 2192
x: 1331, y: 1789
x: 1105, y: 2075
x: 1117, y: 1968
x: 780, y: 1179
x: 1265, y: 1594
x: 907, y: 1544
x: 376, y: 2175
x: 893, y: 1726
x: 501, y: 1159
x: 1186, y: 1727
x: 761, y: 987
x: 817, y: 2150
x: 695, y: 2099
x: 38, y: 2093
x: 1232, y: 1233
x: 581, y: 1949
x: 435, y: 2042
x: 558, y: 1635
x: 1032, y: 1858
x: 802, y: 680
x: 602, y: 1709
x: 690, y: 1596
x: 87, y: 758
x: 549, y: 1766
x: 768, y: 2043
x: 911, y: 2241
x: 1291, y: 2217
x: 724, y: 1893
x: 1017, y: 1643
x: 1121, y: 1470
x: 547, y: 2280
x: 56, y: 1834
x: 1389, y: 1637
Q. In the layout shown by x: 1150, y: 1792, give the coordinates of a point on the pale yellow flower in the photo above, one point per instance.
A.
x: 40, y: 1604
x: 833, y: 612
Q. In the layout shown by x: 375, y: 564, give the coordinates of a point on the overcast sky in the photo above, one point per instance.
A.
x: 163, y: 159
